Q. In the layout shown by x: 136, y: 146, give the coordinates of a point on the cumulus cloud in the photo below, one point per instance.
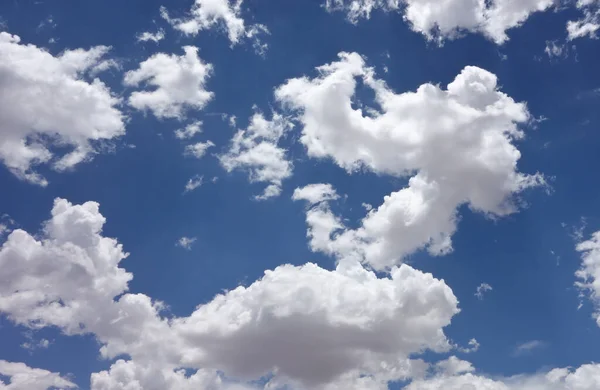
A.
x: 22, y: 377
x: 48, y: 101
x: 126, y: 375
x: 315, y: 193
x: 455, y: 144
x: 303, y: 325
x: 589, y: 272
x: 176, y: 84
x: 198, y: 150
x: 149, y: 36
x: 256, y: 150
x: 472, y: 346
x: 223, y: 14
x: 449, y: 19
x: 586, y: 377
x: 189, y: 131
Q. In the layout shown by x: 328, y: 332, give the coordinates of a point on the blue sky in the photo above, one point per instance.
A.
x: 329, y: 219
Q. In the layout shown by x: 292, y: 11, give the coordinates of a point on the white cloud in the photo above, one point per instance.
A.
x: 472, y: 346
x: 555, y: 50
x: 589, y: 272
x: 453, y: 366
x: 586, y: 377
x: 193, y: 183
x: 177, y: 84
x: 198, y: 150
x: 186, y: 242
x: 31, y: 344
x: 528, y: 347
x: 256, y: 151
x: 189, y: 131
x: 46, y: 101
x: 470, y: 124
x: 482, y: 289
x: 22, y: 377
x: 449, y: 19
x: 315, y: 193
x: 335, y: 322
x: 127, y: 375
x: 222, y: 14
x: 306, y: 325
x: 589, y: 24
x: 148, y: 36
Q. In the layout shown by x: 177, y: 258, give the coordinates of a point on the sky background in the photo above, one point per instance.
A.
x: 528, y: 258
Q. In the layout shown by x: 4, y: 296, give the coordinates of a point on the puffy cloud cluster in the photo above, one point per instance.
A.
x: 589, y: 273
x: 177, y: 84
x: 586, y: 377
x: 589, y: 24
x: 439, y: 20
x: 257, y: 151
x: 305, y: 325
x: 223, y: 14
x: 22, y: 377
x: 48, y: 101
x: 455, y: 144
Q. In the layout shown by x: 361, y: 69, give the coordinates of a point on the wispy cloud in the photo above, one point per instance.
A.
x: 528, y: 347
x: 186, y: 242
x: 483, y: 288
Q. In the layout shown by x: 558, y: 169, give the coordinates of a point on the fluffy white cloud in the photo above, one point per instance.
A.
x: 589, y: 24
x: 177, y: 84
x: 47, y: 101
x: 315, y: 193
x: 189, y: 131
x: 22, y: 377
x: 453, y: 366
x: 154, y: 37
x: 586, y: 377
x: 256, y: 151
x: 308, y: 326
x: 456, y: 144
x: 223, y: 14
x: 438, y: 20
x: 589, y: 273
x: 127, y: 375
x: 198, y: 150
x: 335, y: 322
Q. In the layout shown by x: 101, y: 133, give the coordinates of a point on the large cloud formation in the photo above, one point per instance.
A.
x: 47, y: 101
x: 307, y: 326
x: 439, y: 20
x: 455, y: 144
